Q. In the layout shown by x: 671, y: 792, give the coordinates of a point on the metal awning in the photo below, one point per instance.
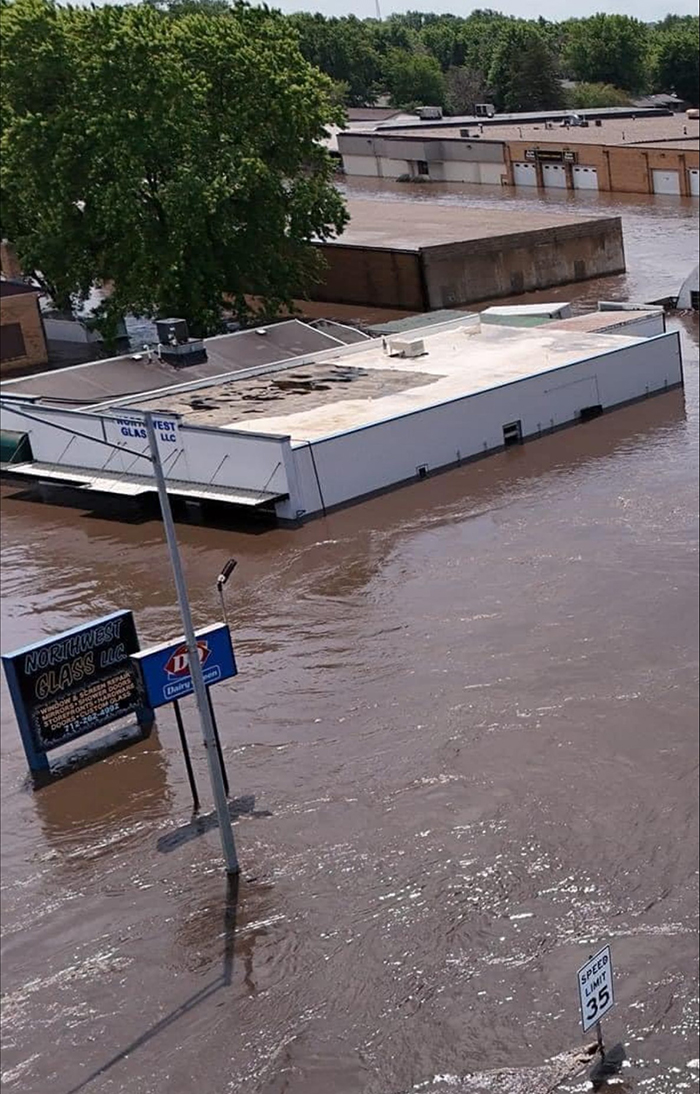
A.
x: 132, y: 486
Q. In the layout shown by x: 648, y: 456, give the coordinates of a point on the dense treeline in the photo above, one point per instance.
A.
x: 517, y: 64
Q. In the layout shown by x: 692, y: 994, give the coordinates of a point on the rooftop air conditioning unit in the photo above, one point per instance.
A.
x: 176, y: 347
x: 429, y: 113
x: 403, y: 347
x: 484, y: 110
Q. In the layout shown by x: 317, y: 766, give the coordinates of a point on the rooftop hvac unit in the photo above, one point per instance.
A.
x: 484, y: 110
x: 429, y: 113
x: 172, y: 332
x: 403, y: 347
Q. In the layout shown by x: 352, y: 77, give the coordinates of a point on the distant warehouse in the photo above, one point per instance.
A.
x: 617, y: 151
x: 296, y: 438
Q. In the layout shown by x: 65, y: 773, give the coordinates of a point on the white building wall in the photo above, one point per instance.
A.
x: 366, y: 166
x: 359, y: 462
x: 391, y: 169
x: 213, y: 456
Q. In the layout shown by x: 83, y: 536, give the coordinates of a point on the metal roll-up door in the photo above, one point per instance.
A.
x: 554, y: 176
x: 666, y: 182
x: 585, y: 178
x: 694, y: 181
x: 525, y: 174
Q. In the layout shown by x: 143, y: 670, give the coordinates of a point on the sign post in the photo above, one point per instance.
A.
x: 200, y: 689
x: 595, y: 990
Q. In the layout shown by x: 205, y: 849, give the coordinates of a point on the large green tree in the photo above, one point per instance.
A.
x: 344, y: 50
x: 524, y: 73
x: 676, y: 61
x: 175, y: 159
x: 414, y: 79
x: 608, y: 49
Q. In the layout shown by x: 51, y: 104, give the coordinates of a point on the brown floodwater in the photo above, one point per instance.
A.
x: 463, y: 747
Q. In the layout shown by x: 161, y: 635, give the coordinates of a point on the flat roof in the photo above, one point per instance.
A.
x: 365, y: 385
x: 416, y: 225
x: 603, y: 320
x: 669, y: 131
x: 132, y: 373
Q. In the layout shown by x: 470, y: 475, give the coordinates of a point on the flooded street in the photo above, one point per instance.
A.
x: 463, y: 748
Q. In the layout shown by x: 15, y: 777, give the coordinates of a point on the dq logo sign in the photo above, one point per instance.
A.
x: 178, y: 664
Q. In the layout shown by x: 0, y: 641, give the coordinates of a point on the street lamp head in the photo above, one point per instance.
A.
x: 226, y: 572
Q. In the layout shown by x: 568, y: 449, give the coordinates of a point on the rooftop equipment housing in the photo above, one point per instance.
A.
x: 176, y: 347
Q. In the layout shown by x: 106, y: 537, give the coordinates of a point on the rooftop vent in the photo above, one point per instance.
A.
x: 404, y: 347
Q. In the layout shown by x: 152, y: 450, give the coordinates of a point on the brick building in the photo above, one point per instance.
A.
x: 22, y: 336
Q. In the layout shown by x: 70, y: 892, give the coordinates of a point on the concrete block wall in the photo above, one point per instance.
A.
x: 371, y: 276
x: 483, y: 269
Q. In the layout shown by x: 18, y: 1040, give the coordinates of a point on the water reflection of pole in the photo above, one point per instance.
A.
x: 200, y: 690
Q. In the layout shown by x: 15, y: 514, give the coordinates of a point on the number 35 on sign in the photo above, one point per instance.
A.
x: 595, y: 988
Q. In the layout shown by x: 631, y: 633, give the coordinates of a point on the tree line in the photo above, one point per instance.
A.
x: 517, y: 64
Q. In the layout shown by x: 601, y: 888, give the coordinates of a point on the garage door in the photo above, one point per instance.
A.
x: 525, y: 174
x: 694, y: 181
x: 554, y: 176
x: 585, y: 178
x: 666, y: 182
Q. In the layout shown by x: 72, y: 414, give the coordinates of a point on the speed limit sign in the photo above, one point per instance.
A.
x: 595, y: 988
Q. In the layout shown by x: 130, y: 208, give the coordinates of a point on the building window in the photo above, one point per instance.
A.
x: 11, y: 342
x: 422, y: 167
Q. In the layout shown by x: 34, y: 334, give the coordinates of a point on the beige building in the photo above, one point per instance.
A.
x: 22, y: 336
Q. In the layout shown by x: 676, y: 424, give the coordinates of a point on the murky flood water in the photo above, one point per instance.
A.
x: 463, y: 746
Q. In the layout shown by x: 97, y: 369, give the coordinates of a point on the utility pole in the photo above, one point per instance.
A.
x: 228, y: 845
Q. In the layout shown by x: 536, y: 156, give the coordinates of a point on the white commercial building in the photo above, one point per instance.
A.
x: 298, y: 438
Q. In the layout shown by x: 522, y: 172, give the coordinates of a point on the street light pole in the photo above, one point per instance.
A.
x: 215, y: 774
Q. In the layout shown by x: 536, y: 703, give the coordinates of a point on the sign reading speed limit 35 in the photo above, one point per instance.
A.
x: 595, y: 988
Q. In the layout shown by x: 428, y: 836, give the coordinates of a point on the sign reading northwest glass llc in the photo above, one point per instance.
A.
x: 73, y: 683
x: 165, y: 669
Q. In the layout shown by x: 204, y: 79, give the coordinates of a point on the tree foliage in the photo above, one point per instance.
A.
x: 592, y: 96
x: 676, y: 61
x: 608, y: 49
x: 176, y: 159
x: 523, y: 73
x: 413, y: 79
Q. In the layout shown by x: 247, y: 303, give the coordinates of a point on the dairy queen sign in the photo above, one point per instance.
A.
x: 165, y: 670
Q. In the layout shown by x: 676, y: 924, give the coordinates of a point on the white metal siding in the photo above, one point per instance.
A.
x: 360, y: 165
x: 554, y: 176
x: 666, y: 182
x: 694, y: 181
x: 355, y: 463
x: 585, y: 178
x: 524, y: 174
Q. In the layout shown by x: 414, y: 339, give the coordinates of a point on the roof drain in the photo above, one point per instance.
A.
x: 318, y: 481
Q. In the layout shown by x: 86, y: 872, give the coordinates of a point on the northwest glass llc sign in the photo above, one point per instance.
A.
x: 73, y: 683
x: 165, y: 669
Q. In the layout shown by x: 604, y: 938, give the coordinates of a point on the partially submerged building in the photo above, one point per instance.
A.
x: 648, y: 152
x: 297, y: 438
x: 420, y: 256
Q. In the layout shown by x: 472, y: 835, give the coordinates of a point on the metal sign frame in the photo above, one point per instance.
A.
x: 66, y: 686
